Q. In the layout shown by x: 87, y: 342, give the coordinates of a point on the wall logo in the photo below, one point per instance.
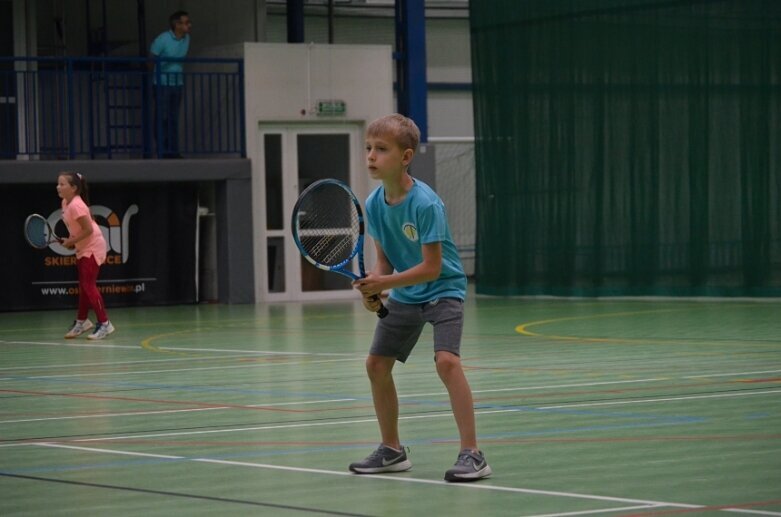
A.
x: 410, y: 232
x: 115, y: 232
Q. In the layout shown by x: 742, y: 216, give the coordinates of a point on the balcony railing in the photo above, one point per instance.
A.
x: 103, y: 108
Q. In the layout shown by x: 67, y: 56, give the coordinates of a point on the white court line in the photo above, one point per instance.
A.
x: 110, y: 364
x: 70, y: 345
x: 275, y: 426
x: 729, y: 374
x: 262, y: 352
x: 236, y: 430
x: 167, y: 411
x: 601, y: 511
x: 347, y: 355
x: 107, y: 415
x: 442, y: 394
x: 666, y: 399
x: 554, y: 386
x: 398, y: 479
x: 112, y: 451
x: 439, y: 415
x: 178, y: 370
x: 174, y: 349
x: 755, y: 512
x: 447, y: 414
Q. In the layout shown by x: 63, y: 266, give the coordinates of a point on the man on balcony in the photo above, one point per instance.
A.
x: 169, y: 82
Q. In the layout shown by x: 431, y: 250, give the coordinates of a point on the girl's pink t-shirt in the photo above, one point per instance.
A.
x: 95, y: 244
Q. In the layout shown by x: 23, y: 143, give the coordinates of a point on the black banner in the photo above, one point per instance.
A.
x: 150, y: 234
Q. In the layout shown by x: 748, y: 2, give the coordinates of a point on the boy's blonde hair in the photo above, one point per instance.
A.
x: 403, y: 130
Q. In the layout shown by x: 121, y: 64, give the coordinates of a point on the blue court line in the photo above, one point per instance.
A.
x: 591, y: 413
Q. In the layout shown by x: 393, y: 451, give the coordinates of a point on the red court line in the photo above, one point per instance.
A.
x: 706, y: 508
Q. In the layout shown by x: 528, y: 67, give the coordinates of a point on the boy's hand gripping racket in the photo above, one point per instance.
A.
x: 39, y: 232
x: 328, y: 229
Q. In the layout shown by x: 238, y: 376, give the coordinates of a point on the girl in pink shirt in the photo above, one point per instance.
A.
x: 85, y: 236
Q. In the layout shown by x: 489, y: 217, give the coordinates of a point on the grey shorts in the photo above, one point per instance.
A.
x: 397, y: 333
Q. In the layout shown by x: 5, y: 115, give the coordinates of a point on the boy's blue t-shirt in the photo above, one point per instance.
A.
x: 402, y: 229
x: 167, y: 45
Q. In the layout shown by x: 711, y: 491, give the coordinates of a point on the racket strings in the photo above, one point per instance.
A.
x: 328, y: 244
x: 328, y: 225
x: 37, y: 232
x: 331, y: 249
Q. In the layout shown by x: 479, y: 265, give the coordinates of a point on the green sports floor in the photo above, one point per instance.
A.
x: 584, y: 407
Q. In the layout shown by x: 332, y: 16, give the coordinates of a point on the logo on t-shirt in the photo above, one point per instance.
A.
x: 410, y: 231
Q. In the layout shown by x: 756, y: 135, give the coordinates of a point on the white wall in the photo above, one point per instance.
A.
x: 448, y: 60
x: 282, y: 79
x: 282, y: 83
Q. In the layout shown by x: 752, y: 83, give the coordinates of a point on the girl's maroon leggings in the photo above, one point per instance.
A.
x: 89, y: 296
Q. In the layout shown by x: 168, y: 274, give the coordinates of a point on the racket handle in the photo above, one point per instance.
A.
x: 382, y: 311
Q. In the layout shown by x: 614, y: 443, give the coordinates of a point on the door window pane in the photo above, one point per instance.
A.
x: 273, y: 153
x: 322, y: 156
x: 276, y: 264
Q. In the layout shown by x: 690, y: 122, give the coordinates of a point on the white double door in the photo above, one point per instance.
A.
x: 291, y: 158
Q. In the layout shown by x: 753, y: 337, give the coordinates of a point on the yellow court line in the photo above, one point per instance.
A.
x: 147, y: 343
x: 524, y: 329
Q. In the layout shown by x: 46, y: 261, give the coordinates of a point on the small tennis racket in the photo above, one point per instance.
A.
x: 39, y: 232
x: 328, y: 229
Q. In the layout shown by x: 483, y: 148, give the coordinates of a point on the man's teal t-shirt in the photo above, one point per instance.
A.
x: 167, y: 45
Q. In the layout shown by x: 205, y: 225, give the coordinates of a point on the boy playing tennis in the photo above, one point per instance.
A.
x: 418, y: 262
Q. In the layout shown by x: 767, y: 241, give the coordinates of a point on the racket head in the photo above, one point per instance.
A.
x: 328, y: 227
x: 38, y: 232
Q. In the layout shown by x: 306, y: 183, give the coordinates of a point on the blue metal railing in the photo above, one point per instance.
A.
x: 110, y: 107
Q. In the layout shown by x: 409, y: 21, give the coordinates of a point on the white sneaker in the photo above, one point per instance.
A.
x: 102, y: 330
x: 79, y: 327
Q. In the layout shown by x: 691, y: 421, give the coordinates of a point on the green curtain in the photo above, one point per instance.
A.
x: 627, y: 147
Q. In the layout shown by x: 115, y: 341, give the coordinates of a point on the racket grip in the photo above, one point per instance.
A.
x: 382, y: 311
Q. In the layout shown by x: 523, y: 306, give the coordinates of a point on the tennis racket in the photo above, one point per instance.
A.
x: 39, y: 232
x: 328, y: 229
